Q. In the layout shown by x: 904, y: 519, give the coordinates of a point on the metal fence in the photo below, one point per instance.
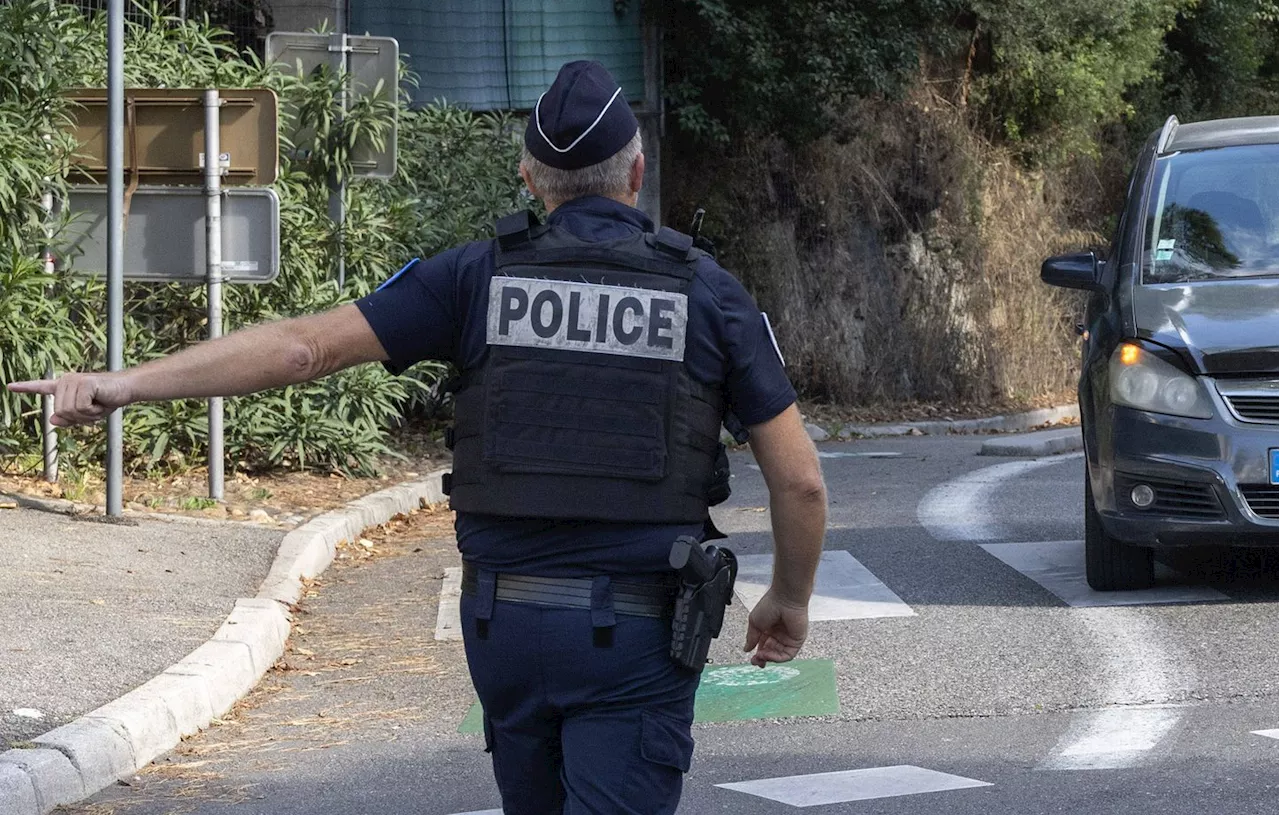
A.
x: 249, y: 21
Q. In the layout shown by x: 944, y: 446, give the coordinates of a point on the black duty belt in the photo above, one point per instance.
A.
x: 637, y: 599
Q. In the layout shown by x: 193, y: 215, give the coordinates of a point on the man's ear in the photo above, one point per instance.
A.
x: 637, y: 174
x: 528, y: 181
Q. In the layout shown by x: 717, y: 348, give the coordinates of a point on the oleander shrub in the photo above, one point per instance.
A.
x: 457, y: 173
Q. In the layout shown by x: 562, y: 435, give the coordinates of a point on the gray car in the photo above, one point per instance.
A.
x: 1178, y: 387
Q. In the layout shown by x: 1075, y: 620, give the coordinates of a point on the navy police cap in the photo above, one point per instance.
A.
x: 582, y: 119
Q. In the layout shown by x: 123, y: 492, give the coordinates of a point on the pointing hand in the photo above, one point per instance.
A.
x: 79, y: 398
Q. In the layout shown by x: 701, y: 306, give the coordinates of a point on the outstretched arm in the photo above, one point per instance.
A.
x: 779, y: 622
x: 261, y: 357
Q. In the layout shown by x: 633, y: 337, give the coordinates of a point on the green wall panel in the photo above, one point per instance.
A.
x: 494, y: 54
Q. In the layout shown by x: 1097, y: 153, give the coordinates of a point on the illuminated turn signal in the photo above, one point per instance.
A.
x: 1129, y: 354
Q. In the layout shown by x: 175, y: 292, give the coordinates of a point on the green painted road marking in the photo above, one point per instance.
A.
x: 804, y: 687
x: 730, y: 693
x: 473, y: 722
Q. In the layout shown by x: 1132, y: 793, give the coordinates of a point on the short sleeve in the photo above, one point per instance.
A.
x: 413, y: 313
x: 756, y: 388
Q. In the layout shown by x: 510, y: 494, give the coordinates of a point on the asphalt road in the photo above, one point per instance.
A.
x: 986, y: 679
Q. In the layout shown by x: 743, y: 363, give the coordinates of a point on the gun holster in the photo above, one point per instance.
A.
x: 707, y: 574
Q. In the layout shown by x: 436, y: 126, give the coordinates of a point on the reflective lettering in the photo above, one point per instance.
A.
x: 628, y: 336
x: 515, y: 302
x: 602, y: 319
x: 575, y: 332
x: 660, y: 312
x: 549, y: 329
x: 589, y: 318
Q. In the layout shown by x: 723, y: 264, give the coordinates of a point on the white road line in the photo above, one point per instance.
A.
x: 1134, y: 670
x: 1059, y: 567
x: 482, y: 812
x: 844, y: 588
x: 449, y: 615
x: 853, y: 785
x: 1271, y: 734
x: 958, y: 510
x: 840, y: 454
x: 1113, y: 738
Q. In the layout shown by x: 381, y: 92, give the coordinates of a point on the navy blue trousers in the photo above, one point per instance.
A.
x: 576, y: 727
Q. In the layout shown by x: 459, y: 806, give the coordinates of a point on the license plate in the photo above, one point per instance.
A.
x: 1275, y: 465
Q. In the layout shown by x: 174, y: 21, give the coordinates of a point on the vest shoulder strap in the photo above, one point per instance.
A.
x: 516, y: 229
x: 676, y: 244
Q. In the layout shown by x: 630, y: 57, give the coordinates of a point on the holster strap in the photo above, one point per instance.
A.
x: 635, y: 599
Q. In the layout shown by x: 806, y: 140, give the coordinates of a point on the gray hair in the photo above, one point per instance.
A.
x: 610, y: 178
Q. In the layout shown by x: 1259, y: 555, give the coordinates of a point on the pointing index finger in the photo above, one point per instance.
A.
x: 41, y: 386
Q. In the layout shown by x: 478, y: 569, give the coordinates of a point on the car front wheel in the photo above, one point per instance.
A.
x: 1109, y: 564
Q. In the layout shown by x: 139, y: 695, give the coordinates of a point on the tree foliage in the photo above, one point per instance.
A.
x: 768, y: 67
x: 1043, y: 75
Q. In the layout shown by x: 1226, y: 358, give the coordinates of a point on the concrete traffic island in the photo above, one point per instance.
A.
x: 1040, y: 443
x: 76, y: 759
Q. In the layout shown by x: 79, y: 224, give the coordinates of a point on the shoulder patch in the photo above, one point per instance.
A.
x: 397, y: 275
x: 587, y: 317
x: 773, y: 339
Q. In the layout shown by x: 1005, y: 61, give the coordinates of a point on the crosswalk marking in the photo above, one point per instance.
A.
x: 844, y: 589
x: 1113, y: 738
x: 449, y: 614
x: 853, y: 785
x: 1058, y: 566
x: 1271, y: 734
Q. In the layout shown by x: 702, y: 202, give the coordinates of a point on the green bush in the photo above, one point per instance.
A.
x: 457, y: 173
x: 1058, y: 72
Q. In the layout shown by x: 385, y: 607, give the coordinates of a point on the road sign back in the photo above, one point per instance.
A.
x: 164, y: 139
x: 165, y: 236
x: 373, y: 65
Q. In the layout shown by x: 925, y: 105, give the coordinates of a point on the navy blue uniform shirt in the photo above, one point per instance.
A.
x: 437, y: 309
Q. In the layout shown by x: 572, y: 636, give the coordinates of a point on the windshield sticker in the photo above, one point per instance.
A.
x: 1164, y: 249
x: 1167, y: 243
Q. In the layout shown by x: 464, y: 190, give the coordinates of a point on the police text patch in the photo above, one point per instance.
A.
x: 572, y: 316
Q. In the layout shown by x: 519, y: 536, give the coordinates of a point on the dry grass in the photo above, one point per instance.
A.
x: 898, y: 259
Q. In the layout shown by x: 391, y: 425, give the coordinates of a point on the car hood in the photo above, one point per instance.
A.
x: 1220, y: 327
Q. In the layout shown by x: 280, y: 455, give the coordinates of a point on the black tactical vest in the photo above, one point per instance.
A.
x: 582, y: 407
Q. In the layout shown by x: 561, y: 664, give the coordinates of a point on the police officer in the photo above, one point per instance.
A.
x: 597, y: 358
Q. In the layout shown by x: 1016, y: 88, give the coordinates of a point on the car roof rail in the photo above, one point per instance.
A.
x: 1166, y: 134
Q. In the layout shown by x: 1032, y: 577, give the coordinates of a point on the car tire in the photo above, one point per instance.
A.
x: 1109, y: 564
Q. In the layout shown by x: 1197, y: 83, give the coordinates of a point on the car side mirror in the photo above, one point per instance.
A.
x: 1075, y: 271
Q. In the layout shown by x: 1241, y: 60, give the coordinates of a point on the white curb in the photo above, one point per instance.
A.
x: 72, y: 762
x: 1035, y: 445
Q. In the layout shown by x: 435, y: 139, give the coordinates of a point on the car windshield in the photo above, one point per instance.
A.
x: 1214, y: 215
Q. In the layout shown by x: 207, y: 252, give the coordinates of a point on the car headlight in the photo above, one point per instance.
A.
x: 1142, y: 380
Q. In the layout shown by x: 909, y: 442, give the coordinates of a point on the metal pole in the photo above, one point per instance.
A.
x: 338, y: 187
x: 46, y: 402
x: 213, y: 262
x: 182, y: 11
x: 115, y: 244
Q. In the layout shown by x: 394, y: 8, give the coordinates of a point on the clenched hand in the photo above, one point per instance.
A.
x: 79, y: 398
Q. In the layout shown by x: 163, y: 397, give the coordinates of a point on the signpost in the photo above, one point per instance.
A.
x: 172, y: 136
x: 115, y: 245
